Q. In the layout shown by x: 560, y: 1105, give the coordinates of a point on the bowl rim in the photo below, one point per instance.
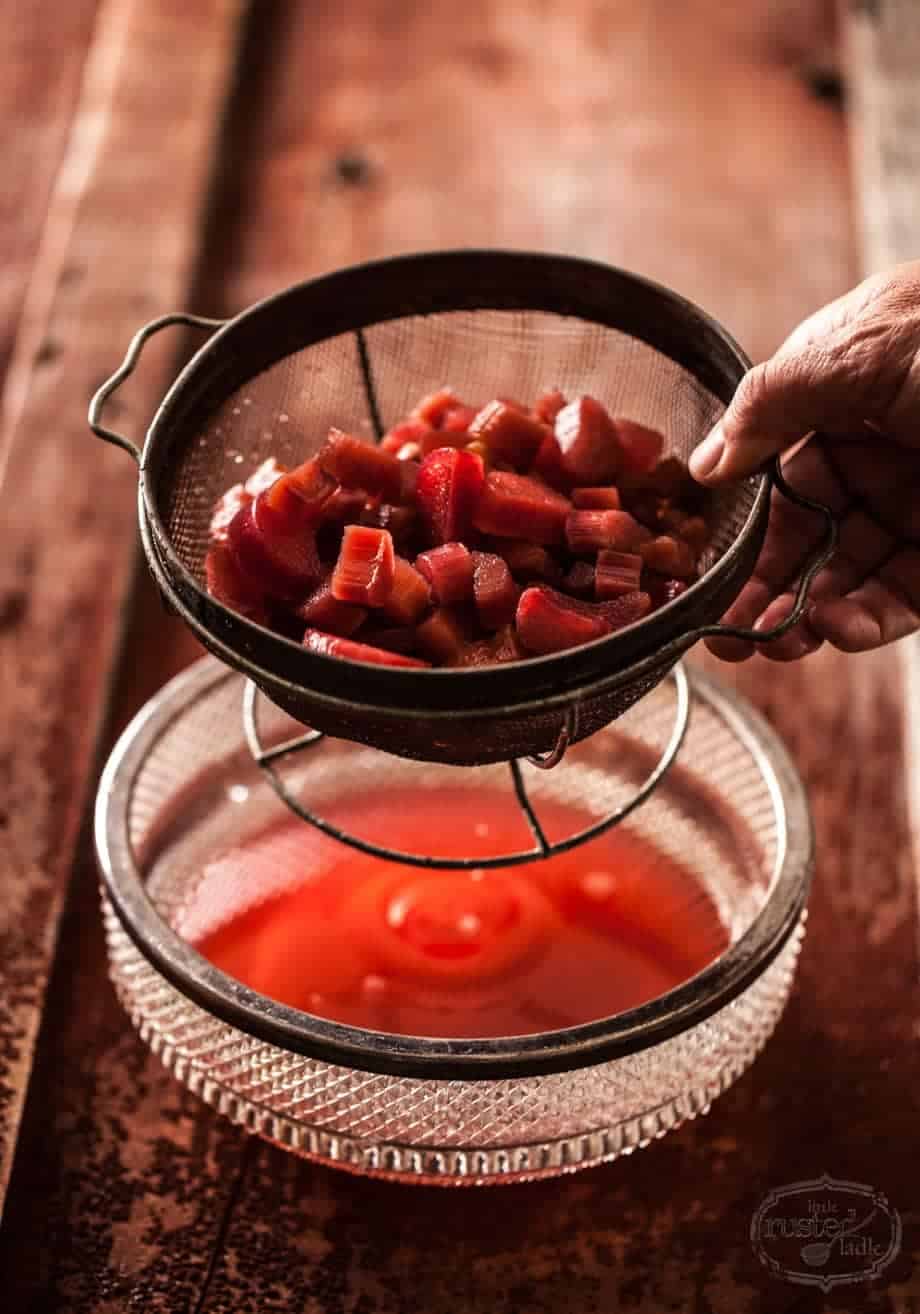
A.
x: 569, y: 286
x: 585, y: 1045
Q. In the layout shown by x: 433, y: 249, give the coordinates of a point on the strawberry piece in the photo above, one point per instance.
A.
x: 662, y: 590
x: 516, y: 506
x: 592, y: 531
x: 640, y: 447
x: 434, y: 409
x: 550, y: 466
x: 529, y: 561
x: 509, y: 433
x: 225, y: 509
x: 458, y: 419
x: 296, y: 499
x: 449, y: 571
x: 366, y: 568
x: 616, y: 573
x: 495, y: 591
x: 669, y: 556
x: 410, y: 431
x: 450, y: 483
x: 227, y: 584
x: 399, y: 520
x: 587, y: 439
x: 330, y: 645
x: 442, y: 636
x: 282, y: 564
x: 410, y: 595
x: 264, y: 476
x: 548, y: 405
x: 323, y: 611
x: 579, y: 581
x: 356, y: 464
x: 548, y: 621
x: 596, y: 499
x: 620, y: 612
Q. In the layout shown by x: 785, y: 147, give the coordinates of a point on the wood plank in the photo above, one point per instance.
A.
x: 601, y: 128
x: 119, y: 246
x: 35, y: 112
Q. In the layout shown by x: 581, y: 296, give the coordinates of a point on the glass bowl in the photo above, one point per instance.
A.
x: 181, y: 786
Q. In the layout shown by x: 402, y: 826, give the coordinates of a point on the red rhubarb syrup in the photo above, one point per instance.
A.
x: 478, y: 953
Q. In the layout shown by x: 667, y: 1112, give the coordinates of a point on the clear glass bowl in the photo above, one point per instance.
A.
x: 181, y: 786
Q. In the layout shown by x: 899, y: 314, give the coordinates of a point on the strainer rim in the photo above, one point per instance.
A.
x: 625, y: 1033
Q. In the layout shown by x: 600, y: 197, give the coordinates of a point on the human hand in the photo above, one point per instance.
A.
x: 851, y: 373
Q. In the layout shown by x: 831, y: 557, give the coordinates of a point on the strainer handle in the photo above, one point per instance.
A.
x: 132, y: 355
x: 825, y: 549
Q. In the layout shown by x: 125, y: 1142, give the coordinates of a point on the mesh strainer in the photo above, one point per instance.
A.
x: 355, y: 349
x: 182, y: 787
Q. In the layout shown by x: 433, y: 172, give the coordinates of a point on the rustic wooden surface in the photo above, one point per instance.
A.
x: 684, y: 142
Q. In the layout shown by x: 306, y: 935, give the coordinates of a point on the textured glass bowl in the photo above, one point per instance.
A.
x: 180, y: 787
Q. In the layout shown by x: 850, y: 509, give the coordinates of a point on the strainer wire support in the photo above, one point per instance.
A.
x: 266, y: 758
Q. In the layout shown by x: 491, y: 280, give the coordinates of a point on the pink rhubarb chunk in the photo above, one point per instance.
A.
x: 366, y: 568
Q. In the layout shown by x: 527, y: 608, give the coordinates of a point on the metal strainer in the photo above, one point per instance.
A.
x: 181, y: 788
x: 355, y: 349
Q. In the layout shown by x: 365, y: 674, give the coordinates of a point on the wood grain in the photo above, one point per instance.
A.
x: 683, y: 142
x: 120, y: 240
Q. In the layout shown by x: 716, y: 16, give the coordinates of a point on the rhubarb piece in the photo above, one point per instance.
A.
x: 640, y: 447
x: 410, y: 431
x: 393, y: 638
x: 409, y: 452
x: 592, y: 531
x: 264, y: 476
x: 616, y: 573
x: 408, y: 481
x: 450, y: 482
x: 548, y: 405
x: 695, y: 533
x: 495, y: 591
x: 283, y: 565
x: 551, y: 468
x: 587, y: 439
x: 579, y: 581
x: 669, y: 556
x: 500, y: 647
x: 509, y: 433
x: 399, y: 520
x: 458, y: 419
x: 330, y: 645
x: 516, y: 506
x: 225, y: 509
x: 323, y: 611
x: 596, y: 499
x: 345, y: 507
x: 410, y: 595
x: 356, y: 464
x: 449, y: 571
x: 296, y: 500
x: 529, y: 562
x: 366, y: 568
x: 662, y: 590
x: 434, y: 409
x: 228, y: 585
x: 671, y: 478
x: 442, y: 637
x: 549, y: 622
x: 623, y: 611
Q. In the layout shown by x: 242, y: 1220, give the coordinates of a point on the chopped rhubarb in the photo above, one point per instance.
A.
x: 366, y: 568
x: 550, y: 466
x: 587, y: 439
x: 592, y: 531
x: 548, y: 405
x: 435, y: 408
x: 458, y: 419
x: 410, y: 595
x: 410, y: 431
x: 596, y: 499
x: 500, y: 647
x: 640, y: 447
x: 323, y: 611
x: 399, y: 520
x: 394, y: 638
x: 296, y: 500
x: 516, y: 506
x: 579, y: 581
x: 450, y: 484
x: 226, y: 508
x: 449, y: 571
x: 345, y: 506
x: 669, y: 556
x: 356, y: 464
x: 695, y: 533
x: 529, y: 562
x: 227, y: 583
x: 494, y: 589
x: 616, y: 573
x: 330, y: 645
x: 626, y: 610
x: 508, y: 433
x: 264, y: 476
x: 671, y: 478
x: 283, y: 565
x: 662, y: 590
x: 548, y: 621
x: 442, y: 637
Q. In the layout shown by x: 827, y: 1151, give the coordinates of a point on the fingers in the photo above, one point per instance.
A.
x: 884, y: 608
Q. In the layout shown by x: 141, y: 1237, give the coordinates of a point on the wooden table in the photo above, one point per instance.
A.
x: 198, y: 155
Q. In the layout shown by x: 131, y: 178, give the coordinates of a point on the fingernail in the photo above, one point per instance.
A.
x: 707, y: 456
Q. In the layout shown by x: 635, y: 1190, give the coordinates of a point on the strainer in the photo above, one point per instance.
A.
x: 355, y: 349
x: 181, y: 787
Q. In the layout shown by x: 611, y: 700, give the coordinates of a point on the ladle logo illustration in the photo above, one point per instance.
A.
x: 826, y: 1232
